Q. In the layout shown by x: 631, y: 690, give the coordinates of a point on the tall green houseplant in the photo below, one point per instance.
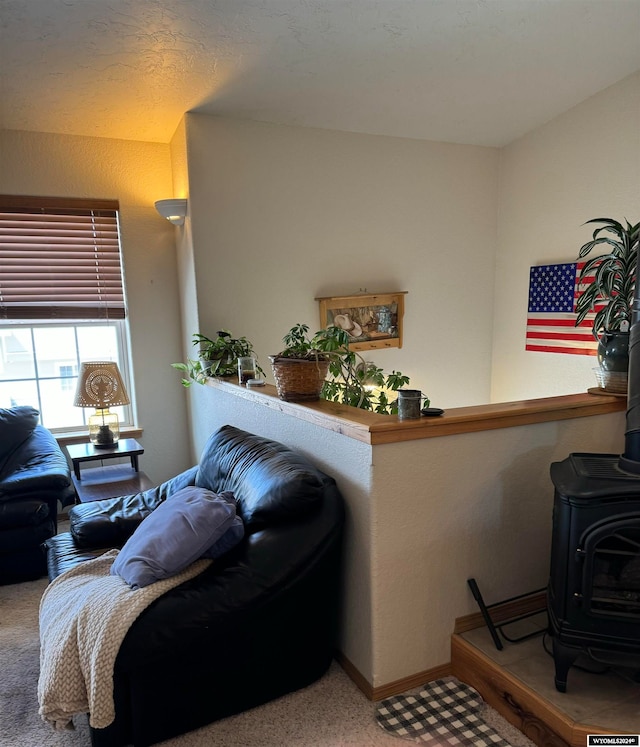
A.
x: 609, y: 280
x: 614, y: 275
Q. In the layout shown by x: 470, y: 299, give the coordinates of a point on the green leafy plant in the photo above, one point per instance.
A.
x: 300, y: 345
x: 615, y: 275
x: 217, y: 357
x: 354, y: 381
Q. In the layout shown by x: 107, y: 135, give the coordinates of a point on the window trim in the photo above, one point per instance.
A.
x: 88, y: 255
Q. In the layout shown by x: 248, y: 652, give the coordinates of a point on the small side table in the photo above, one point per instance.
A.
x: 107, y: 481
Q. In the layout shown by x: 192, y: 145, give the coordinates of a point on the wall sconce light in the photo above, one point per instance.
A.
x: 173, y: 210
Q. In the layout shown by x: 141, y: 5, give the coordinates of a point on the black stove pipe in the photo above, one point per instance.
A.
x: 630, y: 460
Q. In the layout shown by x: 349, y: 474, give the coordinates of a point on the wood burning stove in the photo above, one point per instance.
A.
x: 593, y: 595
x: 594, y: 584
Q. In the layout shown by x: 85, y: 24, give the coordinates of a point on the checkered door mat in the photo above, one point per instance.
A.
x: 445, y: 712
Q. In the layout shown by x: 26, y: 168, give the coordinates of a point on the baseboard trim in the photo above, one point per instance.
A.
x: 499, y: 614
x: 503, y: 612
x: 380, y: 692
x: 408, y: 683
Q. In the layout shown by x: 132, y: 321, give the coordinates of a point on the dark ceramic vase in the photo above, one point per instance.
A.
x: 613, y: 351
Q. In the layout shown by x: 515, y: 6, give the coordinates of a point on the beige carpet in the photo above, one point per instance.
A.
x: 330, y: 713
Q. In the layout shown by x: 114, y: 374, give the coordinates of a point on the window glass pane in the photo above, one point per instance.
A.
x: 55, y: 347
x: 69, y: 375
x: 98, y: 342
x: 16, y: 393
x: 57, y: 405
x: 16, y: 354
x: 49, y: 383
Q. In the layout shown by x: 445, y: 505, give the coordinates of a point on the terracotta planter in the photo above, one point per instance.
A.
x: 298, y: 380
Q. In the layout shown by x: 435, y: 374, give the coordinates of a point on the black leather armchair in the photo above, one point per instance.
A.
x: 34, y: 479
x: 261, y: 621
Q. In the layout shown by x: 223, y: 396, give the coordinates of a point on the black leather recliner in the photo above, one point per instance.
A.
x: 260, y: 622
x: 34, y: 479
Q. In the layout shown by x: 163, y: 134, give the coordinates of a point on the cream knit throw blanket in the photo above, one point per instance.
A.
x: 84, y: 616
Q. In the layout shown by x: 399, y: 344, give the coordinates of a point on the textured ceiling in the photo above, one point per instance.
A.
x: 467, y: 71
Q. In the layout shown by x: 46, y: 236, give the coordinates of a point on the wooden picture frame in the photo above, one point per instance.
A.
x: 373, y: 320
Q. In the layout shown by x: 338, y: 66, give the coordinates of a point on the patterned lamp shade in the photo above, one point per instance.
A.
x: 100, y: 385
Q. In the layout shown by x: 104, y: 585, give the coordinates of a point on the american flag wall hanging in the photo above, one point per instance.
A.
x: 553, y: 291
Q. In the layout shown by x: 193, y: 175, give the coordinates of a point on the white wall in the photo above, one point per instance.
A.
x: 186, y: 285
x: 136, y: 174
x: 584, y: 164
x: 282, y: 215
x: 448, y: 509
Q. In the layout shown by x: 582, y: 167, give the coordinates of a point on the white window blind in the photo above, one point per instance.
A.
x: 60, y: 259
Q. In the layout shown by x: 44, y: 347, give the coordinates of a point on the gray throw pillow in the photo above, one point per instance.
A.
x: 191, y: 524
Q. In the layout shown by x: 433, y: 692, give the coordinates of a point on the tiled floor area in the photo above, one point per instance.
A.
x: 610, y: 700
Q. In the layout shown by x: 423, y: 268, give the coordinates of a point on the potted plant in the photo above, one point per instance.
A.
x: 355, y: 381
x: 301, y: 370
x: 216, y: 358
x: 610, y: 283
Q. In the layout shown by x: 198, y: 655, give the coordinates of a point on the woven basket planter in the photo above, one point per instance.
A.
x: 298, y: 380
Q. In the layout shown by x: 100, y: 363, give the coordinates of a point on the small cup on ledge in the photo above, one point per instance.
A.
x: 246, y: 369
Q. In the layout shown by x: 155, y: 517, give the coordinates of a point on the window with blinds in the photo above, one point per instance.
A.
x: 62, y: 302
x: 60, y: 259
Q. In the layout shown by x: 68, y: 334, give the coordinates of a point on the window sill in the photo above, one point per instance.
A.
x: 80, y: 437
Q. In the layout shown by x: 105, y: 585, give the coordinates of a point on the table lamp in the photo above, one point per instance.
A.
x: 100, y: 385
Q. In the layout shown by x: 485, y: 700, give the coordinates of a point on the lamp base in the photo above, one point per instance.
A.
x: 104, y: 429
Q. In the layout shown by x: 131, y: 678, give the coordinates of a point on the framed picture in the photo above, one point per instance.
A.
x: 372, y: 320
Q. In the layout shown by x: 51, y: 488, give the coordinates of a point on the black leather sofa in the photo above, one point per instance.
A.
x: 259, y: 622
x: 34, y: 481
